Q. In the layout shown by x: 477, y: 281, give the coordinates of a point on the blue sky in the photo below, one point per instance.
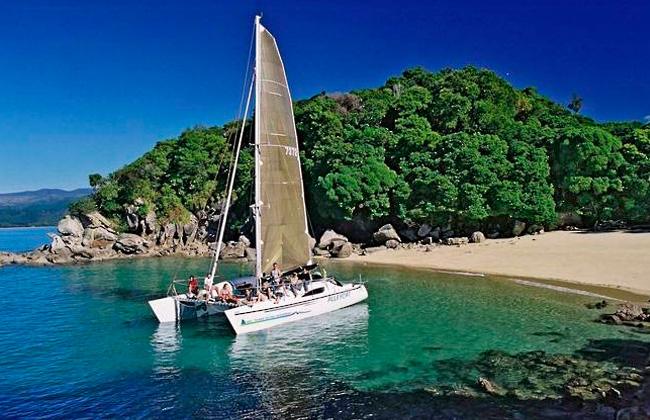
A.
x: 87, y: 86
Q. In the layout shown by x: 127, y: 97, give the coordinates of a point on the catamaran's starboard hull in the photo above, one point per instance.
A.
x: 172, y: 309
x: 245, y: 319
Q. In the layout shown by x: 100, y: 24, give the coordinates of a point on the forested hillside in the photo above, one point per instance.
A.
x: 459, y: 148
x: 37, y: 208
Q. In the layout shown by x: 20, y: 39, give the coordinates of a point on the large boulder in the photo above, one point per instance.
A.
x: 424, y: 230
x: 99, y: 237
x: 233, y: 250
x: 130, y: 243
x: 392, y: 244
x: 410, y: 234
x: 518, y: 228
x: 150, y: 223
x: 477, y: 237
x: 244, y: 240
x: 57, y: 246
x: 342, y: 250
x: 190, y: 228
x: 329, y: 237
x: 95, y: 219
x: 386, y: 233
x: 70, y: 226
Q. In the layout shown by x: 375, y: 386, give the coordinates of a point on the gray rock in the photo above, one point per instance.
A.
x: 518, y: 228
x: 312, y: 243
x: 57, y: 245
x: 321, y: 252
x: 410, y: 234
x: 130, y: 243
x: 233, y: 250
x: 132, y: 219
x: 392, y: 244
x: 373, y: 249
x: 103, y: 234
x: 493, y: 235
x: 95, y: 219
x: 424, y: 230
x: 70, y: 226
x: 533, y: 229
x: 342, y: 250
x: 244, y: 240
x: 328, y: 237
x: 385, y: 233
x: 456, y: 241
x: 151, y: 222
x: 436, y: 233
x: 477, y: 237
x: 250, y: 254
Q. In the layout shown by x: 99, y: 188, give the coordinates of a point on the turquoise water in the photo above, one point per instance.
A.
x: 24, y: 239
x: 81, y: 341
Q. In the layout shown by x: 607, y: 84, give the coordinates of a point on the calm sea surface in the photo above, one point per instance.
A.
x: 24, y: 239
x: 81, y: 342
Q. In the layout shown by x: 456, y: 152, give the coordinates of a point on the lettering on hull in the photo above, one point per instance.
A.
x: 339, y: 296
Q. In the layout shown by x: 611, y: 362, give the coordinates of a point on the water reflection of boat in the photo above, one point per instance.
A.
x: 166, y: 346
x: 311, y: 339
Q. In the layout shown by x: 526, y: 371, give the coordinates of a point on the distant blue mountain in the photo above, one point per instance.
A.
x: 37, y: 208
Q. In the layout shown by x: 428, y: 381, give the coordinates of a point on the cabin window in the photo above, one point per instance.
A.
x: 315, y: 291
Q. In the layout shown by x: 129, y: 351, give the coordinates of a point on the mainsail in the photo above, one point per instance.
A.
x: 281, y: 222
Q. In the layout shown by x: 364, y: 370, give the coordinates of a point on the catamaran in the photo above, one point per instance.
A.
x: 281, y: 232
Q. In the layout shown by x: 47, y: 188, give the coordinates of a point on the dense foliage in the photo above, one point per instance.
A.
x: 458, y: 147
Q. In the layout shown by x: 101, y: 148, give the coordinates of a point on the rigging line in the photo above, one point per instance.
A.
x: 234, y: 133
x: 231, y: 183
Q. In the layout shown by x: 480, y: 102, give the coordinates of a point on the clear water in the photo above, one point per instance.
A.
x: 80, y: 341
x: 24, y: 239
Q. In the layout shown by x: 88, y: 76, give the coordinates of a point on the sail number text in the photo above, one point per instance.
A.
x: 291, y: 151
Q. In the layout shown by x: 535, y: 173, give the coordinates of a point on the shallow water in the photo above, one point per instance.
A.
x: 81, y: 341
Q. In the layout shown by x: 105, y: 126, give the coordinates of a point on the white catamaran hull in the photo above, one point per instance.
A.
x: 178, y: 308
x: 263, y: 315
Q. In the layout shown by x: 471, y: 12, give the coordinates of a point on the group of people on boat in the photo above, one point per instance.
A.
x: 218, y: 292
x: 275, y: 286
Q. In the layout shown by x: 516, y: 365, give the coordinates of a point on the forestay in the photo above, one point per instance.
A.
x: 282, y: 225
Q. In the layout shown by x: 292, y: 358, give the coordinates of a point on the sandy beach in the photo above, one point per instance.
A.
x: 610, y: 259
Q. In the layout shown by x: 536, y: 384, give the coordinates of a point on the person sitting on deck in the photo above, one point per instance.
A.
x: 295, y: 284
x: 192, y: 287
x: 226, y: 295
x: 265, y: 292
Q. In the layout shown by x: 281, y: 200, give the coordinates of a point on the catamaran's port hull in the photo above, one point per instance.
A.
x: 179, y: 308
x: 245, y: 319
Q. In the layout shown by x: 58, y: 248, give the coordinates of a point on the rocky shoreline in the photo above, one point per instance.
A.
x: 92, y: 237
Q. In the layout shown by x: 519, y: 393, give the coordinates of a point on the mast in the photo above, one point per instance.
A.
x: 256, y: 205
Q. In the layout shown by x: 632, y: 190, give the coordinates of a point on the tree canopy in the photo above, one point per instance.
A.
x: 458, y: 147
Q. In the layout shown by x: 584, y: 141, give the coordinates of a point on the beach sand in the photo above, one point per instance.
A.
x: 611, y: 259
